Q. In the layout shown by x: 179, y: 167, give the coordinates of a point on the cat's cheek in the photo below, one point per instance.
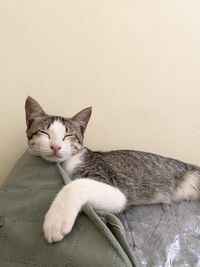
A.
x: 39, y: 145
x: 34, y: 147
x: 66, y: 150
x: 33, y: 152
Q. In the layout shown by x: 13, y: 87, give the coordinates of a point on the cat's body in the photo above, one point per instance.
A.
x: 143, y: 177
x: 110, y: 181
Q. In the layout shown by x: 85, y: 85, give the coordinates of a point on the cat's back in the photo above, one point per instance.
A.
x: 134, y: 163
x: 138, y: 159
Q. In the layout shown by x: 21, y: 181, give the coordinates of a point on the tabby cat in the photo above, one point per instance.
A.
x: 110, y: 181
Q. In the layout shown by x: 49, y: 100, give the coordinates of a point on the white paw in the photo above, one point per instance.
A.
x: 57, y: 224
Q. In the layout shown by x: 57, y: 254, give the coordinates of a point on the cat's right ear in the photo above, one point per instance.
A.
x: 82, y: 118
x: 33, y: 110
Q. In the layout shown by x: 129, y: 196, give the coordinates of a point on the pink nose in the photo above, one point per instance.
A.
x: 55, y: 148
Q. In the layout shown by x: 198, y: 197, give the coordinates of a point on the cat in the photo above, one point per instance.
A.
x: 110, y: 181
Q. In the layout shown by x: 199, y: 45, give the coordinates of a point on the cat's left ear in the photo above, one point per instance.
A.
x: 33, y: 110
x: 82, y: 118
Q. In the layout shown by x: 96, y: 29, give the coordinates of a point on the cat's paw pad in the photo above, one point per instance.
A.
x: 56, y: 225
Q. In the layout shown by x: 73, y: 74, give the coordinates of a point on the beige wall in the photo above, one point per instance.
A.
x: 136, y: 62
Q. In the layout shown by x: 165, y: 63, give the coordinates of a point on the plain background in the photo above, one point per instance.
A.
x: 136, y: 62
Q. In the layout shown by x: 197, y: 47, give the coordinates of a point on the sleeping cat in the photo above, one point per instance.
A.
x: 110, y: 181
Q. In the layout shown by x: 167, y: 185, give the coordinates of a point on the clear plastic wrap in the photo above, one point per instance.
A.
x: 164, y: 235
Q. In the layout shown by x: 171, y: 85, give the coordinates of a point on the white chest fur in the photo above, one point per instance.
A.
x: 73, y: 162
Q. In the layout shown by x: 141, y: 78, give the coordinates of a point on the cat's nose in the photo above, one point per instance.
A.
x: 55, y: 148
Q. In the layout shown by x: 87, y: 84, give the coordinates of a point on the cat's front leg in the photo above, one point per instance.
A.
x: 61, y: 216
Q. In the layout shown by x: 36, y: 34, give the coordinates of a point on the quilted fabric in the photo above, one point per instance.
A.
x: 96, y: 239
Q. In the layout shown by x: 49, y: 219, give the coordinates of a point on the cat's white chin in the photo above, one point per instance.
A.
x: 54, y: 158
x: 51, y: 158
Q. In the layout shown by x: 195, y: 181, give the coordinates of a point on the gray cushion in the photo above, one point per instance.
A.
x: 96, y: 239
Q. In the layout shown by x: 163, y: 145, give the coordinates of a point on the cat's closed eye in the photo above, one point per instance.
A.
x: 43, y: 132
x: 39, y: 132
x: 68, y: 135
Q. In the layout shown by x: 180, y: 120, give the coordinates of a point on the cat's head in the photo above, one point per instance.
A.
x: 54, y: 138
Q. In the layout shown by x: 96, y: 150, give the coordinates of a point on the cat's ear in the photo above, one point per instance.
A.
x: 82, y: 118
x: 33, y: 110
